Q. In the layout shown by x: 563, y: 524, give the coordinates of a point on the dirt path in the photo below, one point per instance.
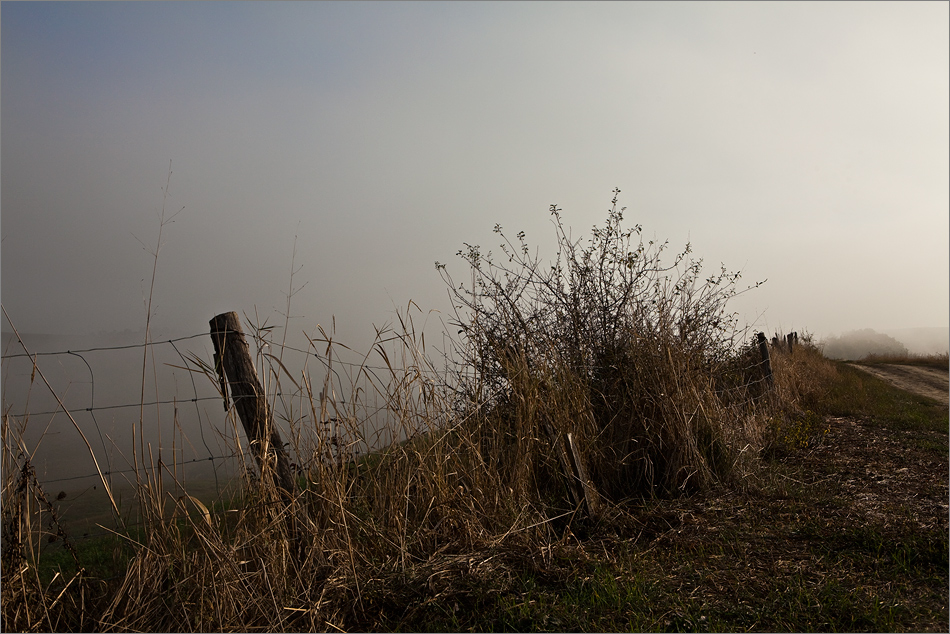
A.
x: 929, y: 382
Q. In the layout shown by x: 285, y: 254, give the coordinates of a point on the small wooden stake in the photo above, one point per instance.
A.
x: 579, y: 487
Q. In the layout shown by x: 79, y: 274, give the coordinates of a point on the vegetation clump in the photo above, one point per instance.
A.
x: 635, y: 357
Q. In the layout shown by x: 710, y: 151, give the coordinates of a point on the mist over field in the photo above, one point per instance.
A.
x: 99, y: 379
x: 103, y: 391
x: 858, y: 344
x: 923, y: 340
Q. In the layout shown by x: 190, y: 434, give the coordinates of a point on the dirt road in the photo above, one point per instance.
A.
x: 929, y: 382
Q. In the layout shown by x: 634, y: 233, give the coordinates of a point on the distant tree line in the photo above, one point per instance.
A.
x: 858, y: 344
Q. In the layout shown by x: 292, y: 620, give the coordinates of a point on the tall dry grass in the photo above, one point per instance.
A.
x: 638, y: 359
x: 933, y: 360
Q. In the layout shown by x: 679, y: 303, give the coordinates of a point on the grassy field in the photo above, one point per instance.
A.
x: 719, y: 496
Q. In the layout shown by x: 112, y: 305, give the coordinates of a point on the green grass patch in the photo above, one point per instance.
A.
x: 102, y: 557
x: 856, y: 393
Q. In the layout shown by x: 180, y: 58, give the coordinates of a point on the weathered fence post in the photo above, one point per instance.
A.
x: 232, y: 360
x: 766, y: 361
x: 790, y: 338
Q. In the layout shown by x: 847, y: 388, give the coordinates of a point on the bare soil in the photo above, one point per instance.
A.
x: 930, y: 382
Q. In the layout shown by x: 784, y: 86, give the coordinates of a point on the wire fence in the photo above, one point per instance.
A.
x: 279, y: 364
x: 275, y: 369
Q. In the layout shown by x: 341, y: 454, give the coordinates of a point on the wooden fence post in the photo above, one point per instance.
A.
x: 766, y: 361
x: 232, y: 360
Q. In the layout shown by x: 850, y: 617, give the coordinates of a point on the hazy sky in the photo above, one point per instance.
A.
x: 806, y: 143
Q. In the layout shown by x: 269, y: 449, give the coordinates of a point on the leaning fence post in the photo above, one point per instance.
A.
x: 766, y: 362
x: 232, y: 360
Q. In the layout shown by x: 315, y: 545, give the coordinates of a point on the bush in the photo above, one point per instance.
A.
x: 634, y: 357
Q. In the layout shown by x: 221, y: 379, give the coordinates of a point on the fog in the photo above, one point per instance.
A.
x: 332, y: 153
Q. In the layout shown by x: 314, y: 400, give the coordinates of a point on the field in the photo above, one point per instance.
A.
x: 607, y: 452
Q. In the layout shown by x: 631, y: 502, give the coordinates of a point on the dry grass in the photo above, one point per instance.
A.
x: 638, y: 361
x: 939, y: 361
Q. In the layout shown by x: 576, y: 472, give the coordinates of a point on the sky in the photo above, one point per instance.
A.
x: 357, y: 144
